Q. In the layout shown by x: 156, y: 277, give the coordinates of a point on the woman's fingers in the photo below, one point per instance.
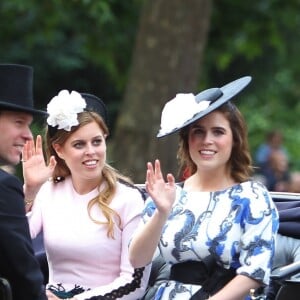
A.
x: 171, y: 179
x: 157, y: 170
x: 24, y: 152
x: 38, y: 145
x: 154, y: 172
x: 30, y: 148
x: 27, y: 150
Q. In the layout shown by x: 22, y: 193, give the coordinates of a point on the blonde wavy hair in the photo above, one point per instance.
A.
x: 110, y: 175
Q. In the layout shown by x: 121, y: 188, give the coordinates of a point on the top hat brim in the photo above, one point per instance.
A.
x: 14, y: 107
x: 226, y: 92
x: 16, y: 89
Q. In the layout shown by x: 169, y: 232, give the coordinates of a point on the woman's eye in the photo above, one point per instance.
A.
x: 198, y: 131
x: 97, y: 142
x: 218, y: 132
x: 78, y: 145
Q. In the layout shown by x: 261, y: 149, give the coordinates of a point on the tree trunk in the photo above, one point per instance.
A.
x: 166, y: 60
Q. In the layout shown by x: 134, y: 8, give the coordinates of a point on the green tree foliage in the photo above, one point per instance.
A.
x: 87, y: 45
x: 260, y: 38
x: 75, y: 44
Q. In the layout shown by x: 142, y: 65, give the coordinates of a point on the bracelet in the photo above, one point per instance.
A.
x: 28, y: 202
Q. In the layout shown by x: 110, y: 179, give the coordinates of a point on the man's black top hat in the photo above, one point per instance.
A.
x: 16, y: 89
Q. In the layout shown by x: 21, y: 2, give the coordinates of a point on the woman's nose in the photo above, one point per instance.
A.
x: 207, y: 139
x: 90, y: 149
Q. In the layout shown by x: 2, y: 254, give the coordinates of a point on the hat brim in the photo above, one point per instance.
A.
x: 93, y: 103
x: 227, y: 92
x: 13, y: 107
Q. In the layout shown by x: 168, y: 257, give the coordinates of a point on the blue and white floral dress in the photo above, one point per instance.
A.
x: 237, y: 225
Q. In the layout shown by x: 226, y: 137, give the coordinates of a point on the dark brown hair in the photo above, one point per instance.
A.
x: 240, y: 162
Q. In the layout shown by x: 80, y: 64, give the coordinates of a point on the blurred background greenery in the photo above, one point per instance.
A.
x: 138, y: 54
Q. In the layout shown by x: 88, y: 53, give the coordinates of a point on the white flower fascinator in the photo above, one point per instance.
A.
x: 63, y: 109
x: 185, y: 109
x: 178, y: 110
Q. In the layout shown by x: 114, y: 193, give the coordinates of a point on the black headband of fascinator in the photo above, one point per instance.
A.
x: 64, y: 108
x: 185, y: 109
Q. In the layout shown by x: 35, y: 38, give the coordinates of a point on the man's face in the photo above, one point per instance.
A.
x: 14, y: 132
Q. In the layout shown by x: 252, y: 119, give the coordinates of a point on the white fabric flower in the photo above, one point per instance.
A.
x: 63, y: 109
x: 179, y: 110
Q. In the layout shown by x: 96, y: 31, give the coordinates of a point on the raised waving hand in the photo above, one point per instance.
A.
x: 35, y: 170
x: 162, y: 192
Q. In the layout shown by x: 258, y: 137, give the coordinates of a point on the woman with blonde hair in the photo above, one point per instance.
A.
x: 87, y: 211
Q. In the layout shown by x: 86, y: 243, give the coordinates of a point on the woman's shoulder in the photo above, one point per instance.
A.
x: 254, y: 185
x: 255, y: 191
x: 49, y: 186
x: 129, y: 191
x: 128, y: 201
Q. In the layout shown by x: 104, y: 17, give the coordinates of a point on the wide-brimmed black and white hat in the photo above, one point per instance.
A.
x: 16, y: 89
x: 185, y: 109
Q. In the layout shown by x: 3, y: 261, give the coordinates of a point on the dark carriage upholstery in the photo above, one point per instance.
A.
x: 287, y: 287
x: 285, y: 280
x: 160, y: 272
x: 5, y: 290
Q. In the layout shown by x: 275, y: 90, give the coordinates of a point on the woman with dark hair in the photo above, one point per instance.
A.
x: 217, y: 228
x: 87, y: 211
